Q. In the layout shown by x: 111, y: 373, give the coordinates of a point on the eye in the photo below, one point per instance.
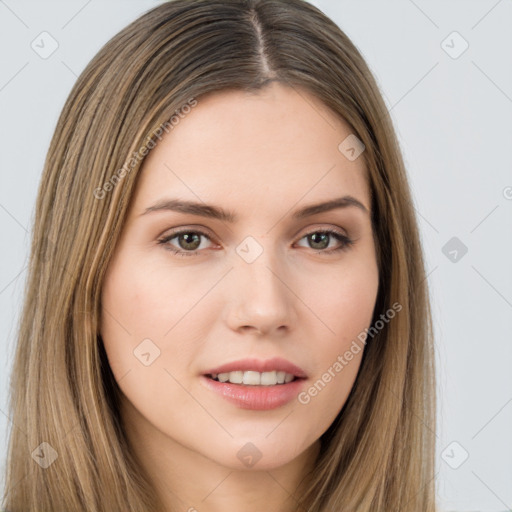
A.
x: 320, y: 241
x: 189, y: 242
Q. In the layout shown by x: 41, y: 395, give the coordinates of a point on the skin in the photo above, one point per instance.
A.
x: 261, y: 156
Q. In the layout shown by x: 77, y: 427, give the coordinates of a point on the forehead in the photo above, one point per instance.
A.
x: 279, y: 144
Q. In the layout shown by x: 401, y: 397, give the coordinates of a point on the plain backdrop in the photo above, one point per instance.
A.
x: 445, y: 70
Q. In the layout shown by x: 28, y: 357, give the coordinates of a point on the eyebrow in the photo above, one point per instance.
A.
x: 219, y: 213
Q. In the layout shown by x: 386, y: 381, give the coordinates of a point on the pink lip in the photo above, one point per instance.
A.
x: 277, y: 363
x: 256, y: 398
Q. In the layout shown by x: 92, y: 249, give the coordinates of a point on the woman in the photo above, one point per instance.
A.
x: 287, y: 365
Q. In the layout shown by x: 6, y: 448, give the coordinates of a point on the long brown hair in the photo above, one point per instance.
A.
x: 378, y: 455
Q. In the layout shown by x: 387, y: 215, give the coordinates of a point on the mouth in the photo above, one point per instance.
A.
x: 256, y: 372
x: 256, y: 384
x: 254, y: 378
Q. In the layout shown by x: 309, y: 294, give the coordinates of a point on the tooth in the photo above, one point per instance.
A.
x: 268, y: 378
x: 252, y: 378
x: 236, y: 377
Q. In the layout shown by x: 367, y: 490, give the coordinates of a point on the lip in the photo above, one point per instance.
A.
x: 257, y: 365
x: 256, y: 398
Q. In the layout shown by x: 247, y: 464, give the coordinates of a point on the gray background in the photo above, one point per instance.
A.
x: 452, y: 110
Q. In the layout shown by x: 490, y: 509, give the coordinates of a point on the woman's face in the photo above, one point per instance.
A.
x: 262, y: 282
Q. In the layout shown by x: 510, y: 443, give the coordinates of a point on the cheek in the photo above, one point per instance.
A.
x: 150, y: 310
x: 148, y: 336
x: 344, y: 302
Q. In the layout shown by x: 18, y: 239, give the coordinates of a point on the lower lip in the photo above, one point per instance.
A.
x: 256, y: 398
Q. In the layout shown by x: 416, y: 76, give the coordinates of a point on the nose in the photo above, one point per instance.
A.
x: 261, y: 296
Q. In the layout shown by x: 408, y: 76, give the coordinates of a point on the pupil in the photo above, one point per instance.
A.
x: 314, y: 240
x: 187, y: 237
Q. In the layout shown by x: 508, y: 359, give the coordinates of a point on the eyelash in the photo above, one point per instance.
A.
x: 346, y: 242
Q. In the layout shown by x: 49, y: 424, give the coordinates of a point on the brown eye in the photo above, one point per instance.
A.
x: 188, y: 242
x: 320, y: 240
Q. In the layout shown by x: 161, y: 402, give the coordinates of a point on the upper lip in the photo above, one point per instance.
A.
x: 258, y: 365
